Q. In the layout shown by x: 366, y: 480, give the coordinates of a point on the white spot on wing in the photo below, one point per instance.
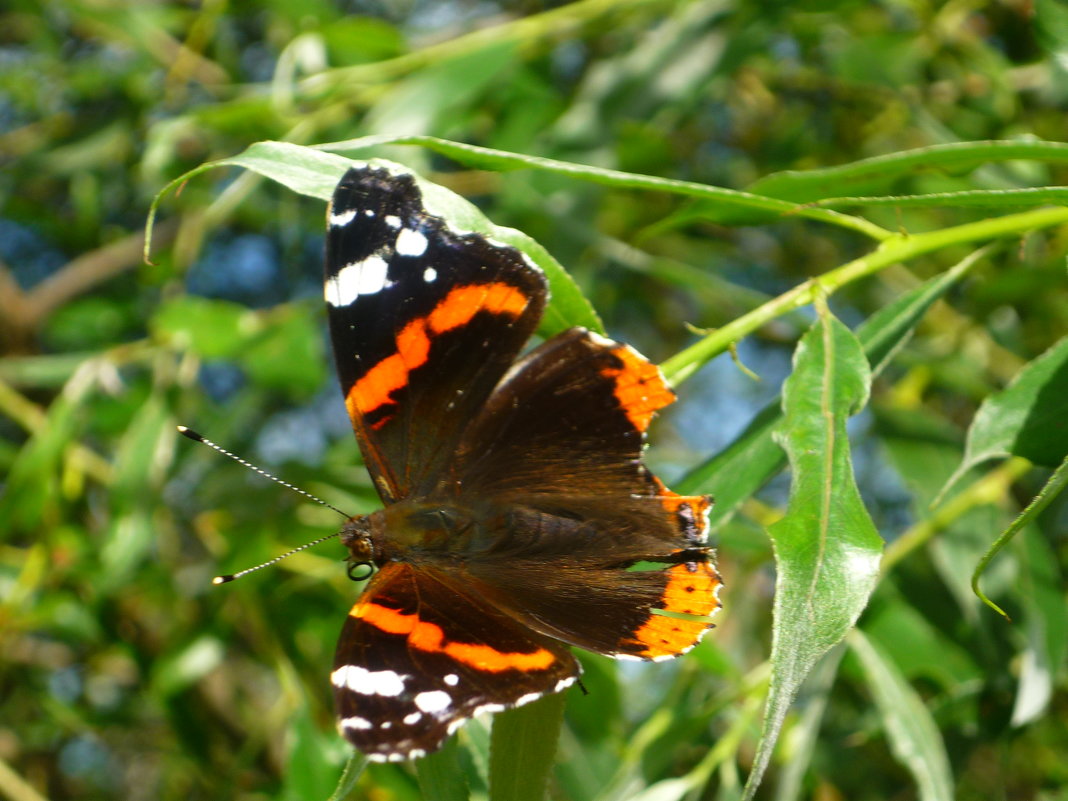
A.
x: 706, y: 522
x: 369, y: 212
x: 359, y: 278
x: 368, y: 682
x: 410, y: 243
x: 357, y: 723
x: 604, y: 342
x: 433, y: 701
x: 342, y: 218
x: 393, y: 221
x: 451, y: 679
x: 413, y: 718
x: 430, y: 275
x: 432, y: 206
x: 526, y: 699
x: 564, y: 683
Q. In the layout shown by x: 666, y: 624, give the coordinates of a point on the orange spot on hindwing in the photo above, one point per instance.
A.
x: 690, y: 590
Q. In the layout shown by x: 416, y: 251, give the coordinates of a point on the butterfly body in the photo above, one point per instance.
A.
x: 518, y: 518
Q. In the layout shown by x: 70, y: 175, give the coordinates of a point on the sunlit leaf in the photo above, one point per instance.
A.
x: 827, y: 550
x: 1028, y: 418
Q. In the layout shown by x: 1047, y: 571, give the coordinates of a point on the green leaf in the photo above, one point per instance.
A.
x: 915, y: 645
x: 827, y: 550
x: 804, y: 737
x: 138, y: 467
x: 879, y: 173
x: 32, y: 486
x: 500, y: 160
x: 1045, y: 618
x: 1051, y: 25
x: 305, y: 170
x: 990, y: 198
x: 349, y: 776
x: 744, y: 466
x: 441, y: 776
x: 890, y: 328
x: 179, y: 670
x: 1053, y: 487
x: 126, y: 545
x: 312, y: 758
x: 415, y: 104
x: 288, y: 356
x: 212, y: 329
x: 1028, y: 418
x: 522, y: 747
x: 42, y: 371
x: 912, y: 732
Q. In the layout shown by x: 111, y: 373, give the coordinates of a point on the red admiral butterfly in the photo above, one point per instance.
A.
x: 518, y: 516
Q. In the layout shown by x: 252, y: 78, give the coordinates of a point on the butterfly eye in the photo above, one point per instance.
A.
x: 361, y: 566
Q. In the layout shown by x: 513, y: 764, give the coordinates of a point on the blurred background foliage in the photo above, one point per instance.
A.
x: 124, y: 674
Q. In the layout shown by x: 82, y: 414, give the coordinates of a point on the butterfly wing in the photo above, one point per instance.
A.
x: 424, y: 321
x: 590, y: 547
x: 419, y: 655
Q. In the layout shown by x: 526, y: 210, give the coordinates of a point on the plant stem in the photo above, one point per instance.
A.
x: 900, y: 247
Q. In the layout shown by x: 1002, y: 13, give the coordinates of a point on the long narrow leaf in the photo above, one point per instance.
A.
x: 523, y: 744
x: 881, y: 171
x: 827, y: 550
x: 912, y: 732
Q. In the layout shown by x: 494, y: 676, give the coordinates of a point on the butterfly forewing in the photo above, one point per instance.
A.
x: 424, y: 321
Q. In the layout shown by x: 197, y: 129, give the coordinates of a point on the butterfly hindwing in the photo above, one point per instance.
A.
x: 424, y: 321
x: 418, y: 655
x: 592, y: 548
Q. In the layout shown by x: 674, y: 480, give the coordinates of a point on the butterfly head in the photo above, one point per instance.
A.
x: 356, y: 536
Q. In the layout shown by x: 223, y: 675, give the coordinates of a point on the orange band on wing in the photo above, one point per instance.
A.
x: 430, y: 637
x: 464, y: 302
x: 375, y: 388
x: 639, y: 387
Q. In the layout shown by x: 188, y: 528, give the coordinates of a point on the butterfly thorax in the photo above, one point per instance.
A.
x: 414, y: 530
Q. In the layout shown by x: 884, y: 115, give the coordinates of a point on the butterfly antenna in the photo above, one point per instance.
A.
x: 193, y: 435
x: 225, y: 579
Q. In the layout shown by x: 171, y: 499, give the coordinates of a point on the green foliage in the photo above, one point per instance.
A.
x: 877, y: 189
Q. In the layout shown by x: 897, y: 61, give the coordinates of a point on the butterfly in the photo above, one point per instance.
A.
x: 518, y: 518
